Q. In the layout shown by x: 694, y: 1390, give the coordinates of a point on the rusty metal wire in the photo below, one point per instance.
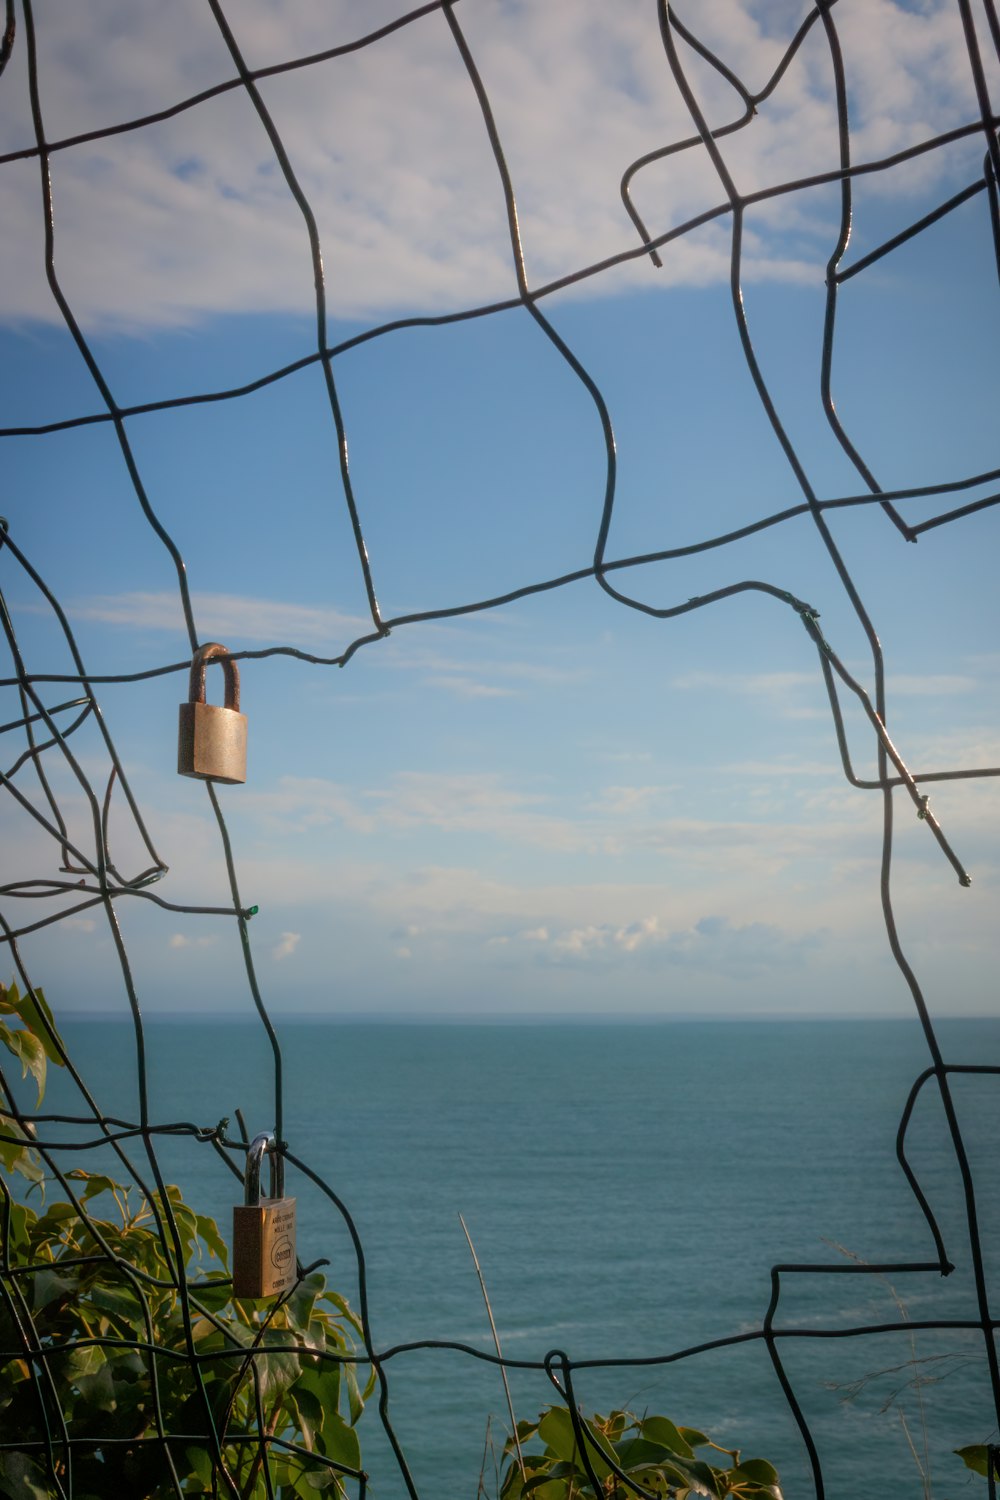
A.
x: 98, y: 885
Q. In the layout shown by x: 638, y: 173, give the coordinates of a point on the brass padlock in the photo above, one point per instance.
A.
x: 212, y: 742
x: 263, y: 1229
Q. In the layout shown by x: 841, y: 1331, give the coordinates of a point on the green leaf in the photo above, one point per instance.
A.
x: 213, y: 1294
x: 79, y: 1363
x: 30, y: 1053
x: 355, y: 1402
x: 661, y: 1430
x: 976, y: 1457
x: 95, y: 1183
x: 16, y: 1220
x: 49, y: 1286
x: 17, y: 1158
x: 317, y: 1480
x: 340, y: 1303
x: 36, y: 1015
x: 302, y: 1302
x: 53, y: 1217
x: 761, y: 1473
x: 119, y: 1301
x: 277, y: 1371
x: 699, y: 1477
x: 340, y: 1442
x: 211, y: 1235
x: 370, y: 1384
x: 597, y: 1450
x: 323, y: 1383
x: 633, y: 1451
x: 201, y: 1466
x: 543, y: 1487
x: 98, y: 1389
x: 129, y: 1364
x: 310, y: 1414
x: 556, y: 1432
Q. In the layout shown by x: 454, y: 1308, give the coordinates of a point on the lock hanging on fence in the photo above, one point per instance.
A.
x: 212, y: 742
x: 263, y: 1228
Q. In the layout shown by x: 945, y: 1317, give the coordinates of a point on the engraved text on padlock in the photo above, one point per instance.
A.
x: 263, y: 1229
x: 212, y: 742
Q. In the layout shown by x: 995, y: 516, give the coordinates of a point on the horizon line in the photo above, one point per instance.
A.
x: 501, y: 1018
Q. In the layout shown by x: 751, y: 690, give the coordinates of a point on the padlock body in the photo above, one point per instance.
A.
x: 264, y: 1247
x: 212, y: 743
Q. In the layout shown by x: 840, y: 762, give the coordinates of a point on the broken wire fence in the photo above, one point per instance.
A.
x: 93, y: 881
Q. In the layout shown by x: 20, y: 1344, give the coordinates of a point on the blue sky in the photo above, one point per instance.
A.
x: 563, y: 805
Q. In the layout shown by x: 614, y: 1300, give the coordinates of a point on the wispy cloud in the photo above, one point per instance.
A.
x: 712, y: 942
x: 802, y: 695
x: 753, y: 684
x: 468, y: 687
x: 782, y: 768
x: 306, y: 802
x: 472, y: 671
x: 498, y: 812
x: 627, y: 801
x: 287, y: 946
x: 389, y: 145
x: 230, y: 616
x: 624, y: 757
x: 933, y: 685
x: 180, y: 940
x: 472, y: 803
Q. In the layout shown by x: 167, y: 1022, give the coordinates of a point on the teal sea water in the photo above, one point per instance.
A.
x: 628, y: 1189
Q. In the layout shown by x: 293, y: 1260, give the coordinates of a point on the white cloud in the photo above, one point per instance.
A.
x: 465, y: 674
x: 289, y: 942
x: 497, y: 810
x: 179, y: 940
x: 231, y: 616
x: 769, y: 684
x: 972, y: 748
x: 468, y: 687
x: 472, y: 803
x: 305, y: 802
x: 788, y: 693
x: 626, y: 801
x: 191, y: 217
x: 625, y: 757
x: 782, y: 768
x: 710, y: 942
x: 933, y: 685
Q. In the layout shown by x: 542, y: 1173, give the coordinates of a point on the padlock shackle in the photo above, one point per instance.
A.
x: 199, y: 662
x: 261, y: 1145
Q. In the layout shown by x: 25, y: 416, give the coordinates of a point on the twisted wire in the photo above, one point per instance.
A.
x: 48, y: 733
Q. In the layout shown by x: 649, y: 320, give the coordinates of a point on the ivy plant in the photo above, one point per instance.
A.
x: 655, y: 1455
x: 126, y: 1365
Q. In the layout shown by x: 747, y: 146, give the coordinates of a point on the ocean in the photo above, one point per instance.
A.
x: 628, y: 1188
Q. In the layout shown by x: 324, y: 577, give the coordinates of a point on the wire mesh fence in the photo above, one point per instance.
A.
x: 204, y: 1376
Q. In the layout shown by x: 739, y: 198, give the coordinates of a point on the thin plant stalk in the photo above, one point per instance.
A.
x: 496, y: 1345
x: 923, y: 1466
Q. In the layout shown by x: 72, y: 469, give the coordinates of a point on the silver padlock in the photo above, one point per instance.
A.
x: 263, y: 1228
x: 212, y: 742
